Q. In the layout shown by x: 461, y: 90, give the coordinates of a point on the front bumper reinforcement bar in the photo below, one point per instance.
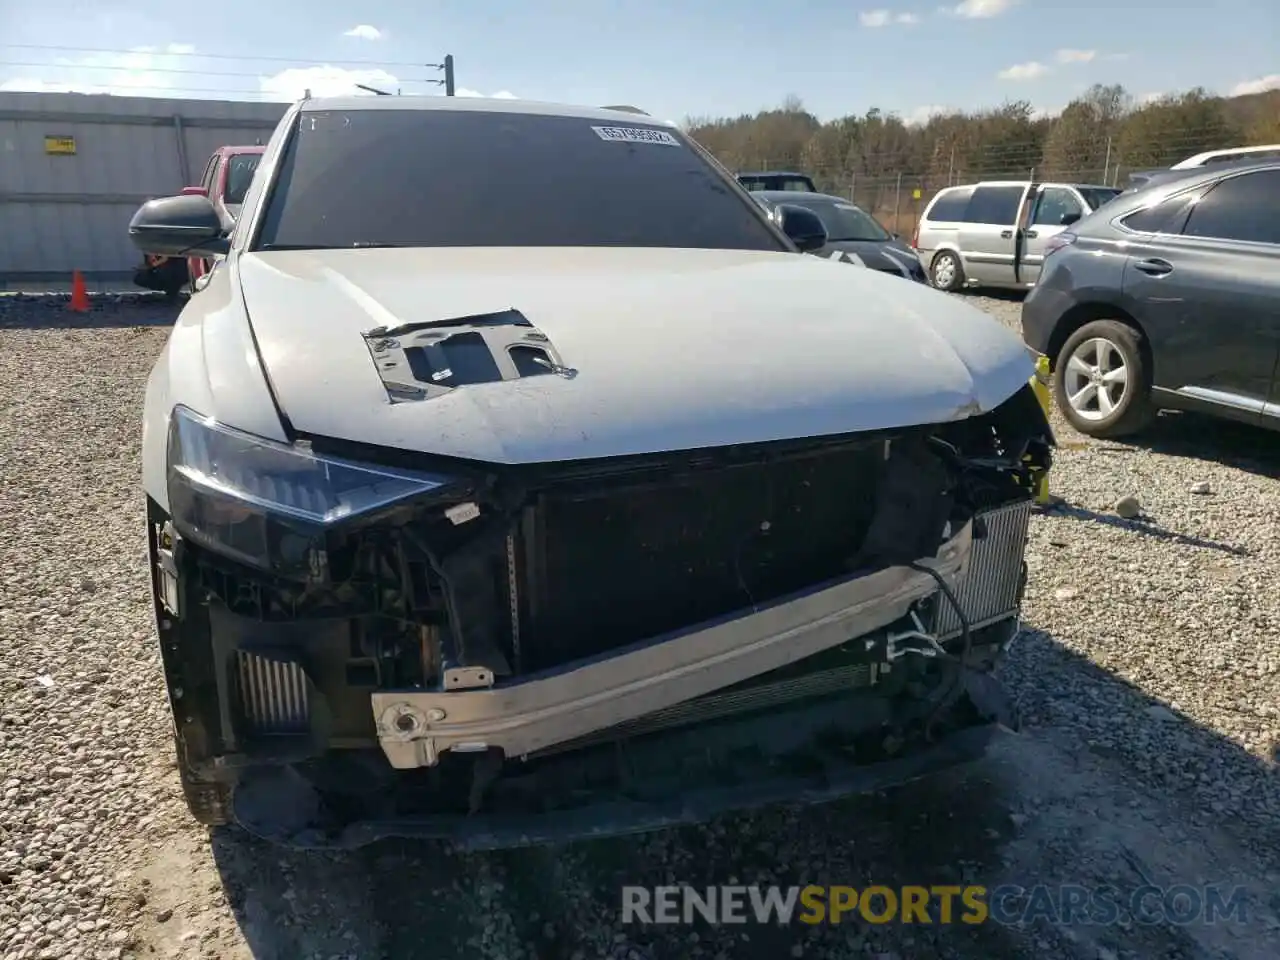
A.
x: 539, y: 710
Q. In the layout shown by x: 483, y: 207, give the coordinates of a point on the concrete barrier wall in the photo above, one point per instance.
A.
x: 74, y: 167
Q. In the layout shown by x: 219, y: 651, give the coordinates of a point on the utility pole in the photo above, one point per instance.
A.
x: 448, y: 75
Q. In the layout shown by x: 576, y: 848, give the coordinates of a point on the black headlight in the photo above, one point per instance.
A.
x: 268, y: 504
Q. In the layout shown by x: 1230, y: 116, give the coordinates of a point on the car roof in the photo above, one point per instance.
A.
x: 1156, y: 191
x: 249, y: 148
x: 1170, y: 174
x: 773, y: 173
x: 1043, y: 183
x: 1201, y: 159
x: 477, y: 105
x: 782, y: 196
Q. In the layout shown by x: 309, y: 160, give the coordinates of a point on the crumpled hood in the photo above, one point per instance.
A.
x: 669, y: 349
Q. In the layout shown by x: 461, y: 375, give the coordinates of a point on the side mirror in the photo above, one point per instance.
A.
x: 802, y: 226
x: 194, y: 192
x: 179, y: 226
x: 1067, y: 219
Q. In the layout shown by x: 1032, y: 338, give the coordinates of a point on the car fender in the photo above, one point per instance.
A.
x: 210, y: 363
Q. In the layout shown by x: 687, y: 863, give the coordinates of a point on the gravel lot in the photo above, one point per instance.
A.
x: 1151, y: 685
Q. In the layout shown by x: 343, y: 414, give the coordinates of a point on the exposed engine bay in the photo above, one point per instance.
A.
x: 568, y: 637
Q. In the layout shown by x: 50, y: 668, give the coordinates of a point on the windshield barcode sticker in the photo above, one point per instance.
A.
x: 636, y: 135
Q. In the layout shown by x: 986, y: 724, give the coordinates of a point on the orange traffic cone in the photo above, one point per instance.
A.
x: 79, y: 296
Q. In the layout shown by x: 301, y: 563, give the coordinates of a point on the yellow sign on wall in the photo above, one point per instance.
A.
x: 61, y: 145
x: 915, y: 194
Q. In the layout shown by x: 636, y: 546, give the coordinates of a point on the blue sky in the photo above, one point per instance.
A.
x: 698, y: 57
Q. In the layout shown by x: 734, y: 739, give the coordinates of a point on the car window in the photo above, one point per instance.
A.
x: 463, y: 178
x: 1164, y: 217
x: 240, y: 169
x: 1096, y: 197
x: 1246, y: 207
x: 1054, y: 204
x: 998, y: 205
x: 844, y: 221
x: 210, y: 171
x: 949, y: 206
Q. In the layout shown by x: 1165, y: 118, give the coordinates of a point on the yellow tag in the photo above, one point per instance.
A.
x: 915, y: 194
x: 63, y: 145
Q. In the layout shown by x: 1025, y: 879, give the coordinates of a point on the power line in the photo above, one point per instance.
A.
x: 209, y: 56
x: 168, y: 70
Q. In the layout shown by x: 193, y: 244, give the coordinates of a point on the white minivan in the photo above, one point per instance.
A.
x: 993, y: 234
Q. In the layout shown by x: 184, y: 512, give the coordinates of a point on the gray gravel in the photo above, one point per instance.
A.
x: 1151, y: 680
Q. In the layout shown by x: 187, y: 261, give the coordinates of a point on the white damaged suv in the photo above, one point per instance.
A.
x: 514, y: 479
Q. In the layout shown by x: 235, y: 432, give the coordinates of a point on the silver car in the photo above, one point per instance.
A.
x: 993, y: 234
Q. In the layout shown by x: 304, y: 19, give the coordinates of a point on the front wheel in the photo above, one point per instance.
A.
x: 1102, y: 383
x: 946, y: 272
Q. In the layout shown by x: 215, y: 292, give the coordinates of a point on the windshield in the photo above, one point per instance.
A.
x: 844, y: 221
x: 240, y: 170
x: 460, y: 178
x: 764, y: 181
x: 1097, y: 196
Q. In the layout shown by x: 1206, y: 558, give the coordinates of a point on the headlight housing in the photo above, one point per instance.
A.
x: 269, y: 504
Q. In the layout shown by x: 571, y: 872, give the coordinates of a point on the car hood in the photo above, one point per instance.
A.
x: 664, y: 349
x: 891, y: 256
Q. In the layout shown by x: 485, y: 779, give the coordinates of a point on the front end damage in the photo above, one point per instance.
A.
x: 527, y: 654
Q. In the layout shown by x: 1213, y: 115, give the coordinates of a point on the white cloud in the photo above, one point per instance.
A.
x: 364, y: 31
x: 1075, y: 56
x: 923, y: 114
x: 1152, y: 97
x: 883, y: 18
x: 500, y: 95
x: 1261, y: 85
x: 325, y: 81
x: 1024, y: 71
x: 980, y: 9
x: 141, y: 72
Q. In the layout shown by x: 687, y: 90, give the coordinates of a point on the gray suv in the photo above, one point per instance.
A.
x: 1168, y: 298
x: 993, y: 234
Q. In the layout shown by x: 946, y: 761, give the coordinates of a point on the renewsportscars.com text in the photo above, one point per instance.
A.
x: 937, y: 904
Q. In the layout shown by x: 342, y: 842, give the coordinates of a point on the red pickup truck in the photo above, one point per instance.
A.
x: 225, y: 181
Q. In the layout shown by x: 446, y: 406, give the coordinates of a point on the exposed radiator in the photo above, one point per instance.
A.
x: 273, y: 695
x: 990, y: 589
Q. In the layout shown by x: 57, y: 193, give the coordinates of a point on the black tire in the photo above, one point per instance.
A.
x: 1134, y: 410
x: 957, y: 272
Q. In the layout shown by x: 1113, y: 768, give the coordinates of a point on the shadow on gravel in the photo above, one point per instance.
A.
x: 29, y: 312
x: 1106, y: 789
x: 1145, y: 526
x: 410, y: 900
x: 1197, y: 436
x: 994, y: 293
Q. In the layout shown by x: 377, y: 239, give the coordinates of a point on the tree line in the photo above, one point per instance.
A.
x: 1098, y: 138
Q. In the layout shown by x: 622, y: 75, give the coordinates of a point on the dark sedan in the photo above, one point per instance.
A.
x: 1167, y: 298
x: 853, y: 235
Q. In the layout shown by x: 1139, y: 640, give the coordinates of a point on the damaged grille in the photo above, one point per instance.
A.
x: 613, y: 566
x: 273, y: 695
x: 991, y: 589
